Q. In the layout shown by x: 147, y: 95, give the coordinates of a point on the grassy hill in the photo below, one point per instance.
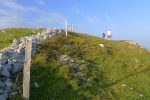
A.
x: 119, y: 71
x: 77, y: 68
x: 8, y: 34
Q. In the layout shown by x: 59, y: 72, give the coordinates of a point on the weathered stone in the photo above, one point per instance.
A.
x: 79, y: 73
x: 16, y: 68
x: 18, y: 60
x: 72, y: 64
x: 2, y: 85
x: 3, y: 61
x: 64, y: 58
x: 36, y: 85
x: 3, y: 94
x: 8, y: 84
x: 0, y: 55
x: 4, y: 72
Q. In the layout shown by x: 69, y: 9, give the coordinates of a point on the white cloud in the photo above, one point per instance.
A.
x: 15, y: 6
x: 11, y: 4
x: 50, y: 19
x: 13, y: 14
x: 4, y: 12
x: 13, y: 21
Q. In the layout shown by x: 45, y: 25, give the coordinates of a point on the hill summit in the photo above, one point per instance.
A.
x: 82, y: 67
x: 77, y: 68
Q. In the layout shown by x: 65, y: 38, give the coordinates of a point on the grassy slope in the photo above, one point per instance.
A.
x: 7, y: 35
x: 106, y: 68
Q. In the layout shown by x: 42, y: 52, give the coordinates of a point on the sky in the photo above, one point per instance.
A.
x: 127, y: 19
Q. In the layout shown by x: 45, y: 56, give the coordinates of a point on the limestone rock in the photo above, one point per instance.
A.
x: 36, y: 85
x: 16, y: 68
x: 101, y: 45
x: 4, y: 72
x: 3, y: 94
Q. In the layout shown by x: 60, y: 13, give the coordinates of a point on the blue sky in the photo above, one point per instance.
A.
x: 128, y: 19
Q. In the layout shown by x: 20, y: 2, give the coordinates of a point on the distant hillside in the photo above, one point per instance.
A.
x: 7, y: 35
x: 77, y: 68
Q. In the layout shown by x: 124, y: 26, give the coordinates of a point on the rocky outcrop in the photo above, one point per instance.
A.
x: 12, y: 60
x: 132, y: 42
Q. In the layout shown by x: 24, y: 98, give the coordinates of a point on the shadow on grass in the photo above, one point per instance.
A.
x: 125, y: 77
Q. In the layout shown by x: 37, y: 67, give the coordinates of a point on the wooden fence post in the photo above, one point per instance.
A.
x: 26, y: 70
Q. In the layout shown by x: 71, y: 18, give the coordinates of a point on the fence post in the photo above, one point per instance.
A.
x: 26, y: 70
x: 66, y: 26
x: 72, y: 28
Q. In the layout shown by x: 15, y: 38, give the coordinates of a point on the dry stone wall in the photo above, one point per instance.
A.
x: 12, y: 60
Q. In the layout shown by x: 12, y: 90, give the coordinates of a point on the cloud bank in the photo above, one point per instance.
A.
x: 13, y: 14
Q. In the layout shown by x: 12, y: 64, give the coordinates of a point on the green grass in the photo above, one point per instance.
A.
x: 7, y: 35
x: 106, y: 68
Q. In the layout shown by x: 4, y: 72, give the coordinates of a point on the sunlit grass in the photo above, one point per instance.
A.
x: 107, y: 70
